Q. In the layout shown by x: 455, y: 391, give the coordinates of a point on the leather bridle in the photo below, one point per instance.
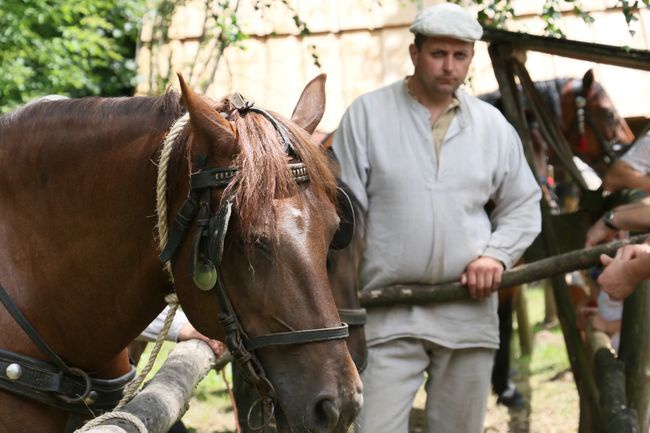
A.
x: 583, y: 118
x: 207, y: 253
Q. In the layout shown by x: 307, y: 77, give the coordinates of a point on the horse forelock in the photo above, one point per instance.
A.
x: 264, y: 172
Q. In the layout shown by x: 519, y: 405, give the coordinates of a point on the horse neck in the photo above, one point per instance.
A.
x: 82, y: 238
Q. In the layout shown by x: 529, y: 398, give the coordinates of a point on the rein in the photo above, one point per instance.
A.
x: 207, y: 254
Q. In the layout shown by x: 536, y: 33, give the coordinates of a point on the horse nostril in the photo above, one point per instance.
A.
x: 325, y: 416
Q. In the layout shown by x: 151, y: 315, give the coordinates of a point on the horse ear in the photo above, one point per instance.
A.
x: 207, y: 121
x: 311, y: 105
x: 587, y: 81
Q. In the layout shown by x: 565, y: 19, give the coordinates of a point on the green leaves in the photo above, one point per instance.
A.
x: 69, y: 47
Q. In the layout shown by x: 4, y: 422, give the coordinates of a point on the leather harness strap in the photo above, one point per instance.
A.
x: 353, y: 316
x: 55, y: 384
x: 41, y: 381
x: 30, y: 331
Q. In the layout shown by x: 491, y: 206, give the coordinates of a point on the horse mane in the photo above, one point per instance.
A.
x: 263, y: 172
x: 102, y: 116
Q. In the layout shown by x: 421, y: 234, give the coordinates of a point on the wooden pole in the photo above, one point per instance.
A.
x: 550, y: 307
x: 166, y: 397
x: 634, y: 351
x: 446, y: 292
x: 523, y: 324
x: 618, y: 417
x: 599, y: 53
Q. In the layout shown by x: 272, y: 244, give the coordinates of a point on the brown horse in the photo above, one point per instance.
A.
x: 343, y: 261
x: 591, y: 124
x: 79, y: 258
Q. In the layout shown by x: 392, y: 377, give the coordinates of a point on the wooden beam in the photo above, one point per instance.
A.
x: 563, y: 263
x: 166, y: 397
x: 610, y: 379
x: 599, y: 53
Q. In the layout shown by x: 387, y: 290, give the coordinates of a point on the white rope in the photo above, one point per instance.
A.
x: 163, y: 232
x: 134, y: 386
x: 114, y: 415
x: 161, y: 185
x: 171, y: 299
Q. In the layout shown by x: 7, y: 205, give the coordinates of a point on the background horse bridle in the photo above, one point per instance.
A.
x: 611, y: 149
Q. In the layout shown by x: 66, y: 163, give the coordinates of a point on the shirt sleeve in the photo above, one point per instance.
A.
x: 350, y: 148
x: 151, y: 332
x: 516, y: 218
x: 638, y: 157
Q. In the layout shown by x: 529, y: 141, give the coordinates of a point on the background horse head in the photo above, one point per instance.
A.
x: 79, y: 258
x: 593, y: 127
x: 589, y: 122
x: 343, y: 266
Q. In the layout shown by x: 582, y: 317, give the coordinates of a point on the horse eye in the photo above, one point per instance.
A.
x: 263, y: 244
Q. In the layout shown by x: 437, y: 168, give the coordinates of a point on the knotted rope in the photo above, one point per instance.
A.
x: 171, y: 299
x: 161, y: 186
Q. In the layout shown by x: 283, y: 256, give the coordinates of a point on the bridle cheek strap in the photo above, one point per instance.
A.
x: 206, y: 257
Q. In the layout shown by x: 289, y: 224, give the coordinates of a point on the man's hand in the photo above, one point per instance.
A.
x: 482, y: 276
x: 599, y: 233
x: 188, y: 332
x: 585, y: 308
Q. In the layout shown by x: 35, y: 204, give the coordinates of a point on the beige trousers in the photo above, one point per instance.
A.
x: 457, y: 387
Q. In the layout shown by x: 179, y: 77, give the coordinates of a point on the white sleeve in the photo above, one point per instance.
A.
x: 154, y: 328
x: 516, y: 217
x: 350, y: 148
x: 638, y: 157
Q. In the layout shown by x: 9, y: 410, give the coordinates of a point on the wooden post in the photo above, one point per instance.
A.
x: 523, y: 324
x: 550, y: 308
x: 504, y: 68
x: 618, y: 417
x: 634, y: 351
x: 165, y: 398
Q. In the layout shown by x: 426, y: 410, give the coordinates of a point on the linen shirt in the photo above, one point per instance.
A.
x: 638, y: 157
x: 425, y: 219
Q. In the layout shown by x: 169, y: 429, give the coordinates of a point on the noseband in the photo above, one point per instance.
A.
x: 207, y: 254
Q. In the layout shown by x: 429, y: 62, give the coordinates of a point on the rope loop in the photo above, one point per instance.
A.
x: 137, y: 423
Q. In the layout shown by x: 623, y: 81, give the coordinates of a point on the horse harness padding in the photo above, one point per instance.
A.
x: 207, y: 252
x: 55, y: 383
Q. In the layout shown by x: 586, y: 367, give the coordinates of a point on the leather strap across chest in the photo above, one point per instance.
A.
x: 55, y: 383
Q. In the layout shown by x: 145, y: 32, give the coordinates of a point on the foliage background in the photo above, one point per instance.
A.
x: 69, y: 47
x: 88, y: 47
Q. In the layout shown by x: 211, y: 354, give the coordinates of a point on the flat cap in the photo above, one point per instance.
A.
x: 447, y: 20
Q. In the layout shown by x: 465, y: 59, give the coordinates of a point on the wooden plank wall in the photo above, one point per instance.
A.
x: 362, y: 45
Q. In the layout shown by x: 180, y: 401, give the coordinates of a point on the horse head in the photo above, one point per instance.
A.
x: 250, y: 266
x: 591, y: 123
